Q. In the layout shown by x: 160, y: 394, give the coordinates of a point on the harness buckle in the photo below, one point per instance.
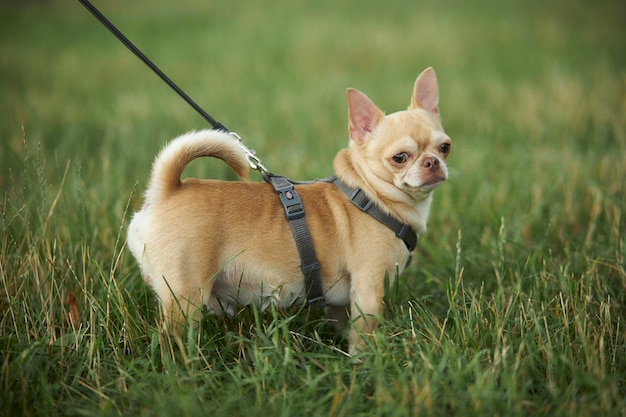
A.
x: 360, y: 200
x: 408, y: 236
x: 292, y: 204
x: 307, y: 269
x: 289, y: 198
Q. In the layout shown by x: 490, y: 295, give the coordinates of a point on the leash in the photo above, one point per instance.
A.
x: 253, y: 160
x: 120, y: 36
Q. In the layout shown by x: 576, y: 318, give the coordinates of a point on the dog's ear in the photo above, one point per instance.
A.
x: 426, y: 92
x: 363, y: 115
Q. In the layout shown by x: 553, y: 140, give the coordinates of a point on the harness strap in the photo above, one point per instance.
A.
x: 363, y: 202
x: 294, y: 211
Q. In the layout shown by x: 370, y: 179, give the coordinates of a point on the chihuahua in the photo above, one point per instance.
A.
x: 223, y: 244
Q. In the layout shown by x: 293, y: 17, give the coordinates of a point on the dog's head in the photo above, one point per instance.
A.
x: 404, y: 151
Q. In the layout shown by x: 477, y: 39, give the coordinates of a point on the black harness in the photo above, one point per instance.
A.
x: 294, y: 212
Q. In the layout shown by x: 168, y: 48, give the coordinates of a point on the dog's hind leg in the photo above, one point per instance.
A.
x: 182, y: 304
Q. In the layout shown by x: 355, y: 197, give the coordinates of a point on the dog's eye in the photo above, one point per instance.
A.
x: 444, y: 148
x: 400, y: 158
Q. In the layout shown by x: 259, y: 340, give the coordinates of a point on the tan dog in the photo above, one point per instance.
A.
x: 224, y: 244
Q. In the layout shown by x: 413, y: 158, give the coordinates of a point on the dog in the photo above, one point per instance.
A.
x: 224, y: 244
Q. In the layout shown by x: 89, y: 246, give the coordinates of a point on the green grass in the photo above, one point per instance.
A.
x: 515, y: 303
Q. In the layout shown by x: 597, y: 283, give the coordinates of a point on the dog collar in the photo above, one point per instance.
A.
x: 364, y: 203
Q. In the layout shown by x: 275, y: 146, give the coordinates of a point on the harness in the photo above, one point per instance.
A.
x: 289, y: 198
x: 295, y: 215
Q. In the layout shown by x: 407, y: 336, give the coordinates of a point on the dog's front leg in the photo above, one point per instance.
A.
x: 366, y: 307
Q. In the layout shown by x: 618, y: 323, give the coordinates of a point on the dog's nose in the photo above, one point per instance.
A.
x: 431, y: 163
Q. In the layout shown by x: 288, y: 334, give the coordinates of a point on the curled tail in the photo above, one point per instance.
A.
x: 178, y: 153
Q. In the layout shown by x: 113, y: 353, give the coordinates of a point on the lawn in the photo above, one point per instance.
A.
x: 514, y: 304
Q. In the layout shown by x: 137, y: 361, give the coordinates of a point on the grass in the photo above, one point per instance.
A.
x: 515, y: 303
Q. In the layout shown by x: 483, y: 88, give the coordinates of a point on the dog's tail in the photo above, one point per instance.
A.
x: 177, y: 154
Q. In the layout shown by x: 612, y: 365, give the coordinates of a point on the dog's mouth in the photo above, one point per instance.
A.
x: 423, y: 183
x: 434, y: 180
x: 430, y: 183
x: 425, y: 187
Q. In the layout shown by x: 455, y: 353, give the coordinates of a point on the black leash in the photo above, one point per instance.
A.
x: 120, y: 36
